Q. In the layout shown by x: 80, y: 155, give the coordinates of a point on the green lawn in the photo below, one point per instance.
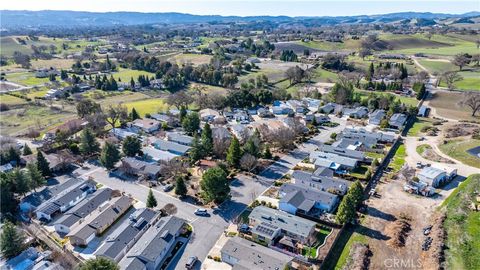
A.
x: 125, y: 74
x: 410, y: 101
x: 399, y: 158
x: 150, y: 106
x: 457, y: 45
x: 420, y: 123
x: 457, y: 149
x: 360, y: 172
x: 322, y: 75
x: 437, y: 66
x: 470, y: 81
x: 341, y: 250
x: 462, y: 226
x: 11, y: 100
x: 26, y: 78
x: 377, y: 156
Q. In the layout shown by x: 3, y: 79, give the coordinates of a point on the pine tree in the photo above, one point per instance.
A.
x: 11, y: 240
x: 134, y: 115
x: 26, y: 150
x: 20, y: 180
x: 151, y: 201
x: 267, y: 154
x: 356, y: 192
x: 371, y: 72
x: 43, y: 165
x: 132, y: 83
x: 234, y: 153
x: 207, y: 140
x: 88, y: 142
x: 131, y: 146
x: 183, y: 113
x: 215, y: 185
x: 109, y: 155
x: 35, y: 175
x: 180, y: 187
x: 346, y: 210
x: 250, y: 147
x: 99, y: 263
x: 196, y: 152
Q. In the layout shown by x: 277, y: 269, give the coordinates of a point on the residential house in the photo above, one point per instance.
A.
x: 339, y: 164
x: 360, y: 144
x: 147, y: 125
x: 241, y: 116
x: 121, y: 133
x: 320, y: 182
x: 99, y: 220
x: 296, y: 105
x: 179, y: 138
x: 265, y: 113
x: 208, y: 115
x: 30, y: 259
x: 155, y: 155
x: 150, y: 251
x: 81, y: 210
x: 312, y: 104
x: 65, y: 200
x: 397, y: 120
x: 376, y: 117
x: 327, y: 108
x: 297, y: 198
x: 321, y: 118
x: 172, y: 147
x: 382, y: 137
x: 243, y: 254
x: 355, y: 154
x: 133, y: 166
x: 242, y: 132
x: 34, y: 199
x: 119, y: 242
x: 357, y: 112
x: 164, y: 118
x: 423, y: 111
x: 280, y: 107
x: 270, y: 225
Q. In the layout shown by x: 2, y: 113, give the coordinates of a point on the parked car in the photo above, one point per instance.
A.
x: 167, y: 188
x: 201, y: 212
x: 191, y: 262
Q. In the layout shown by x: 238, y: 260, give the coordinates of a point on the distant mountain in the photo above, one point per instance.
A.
x: 68, y: 19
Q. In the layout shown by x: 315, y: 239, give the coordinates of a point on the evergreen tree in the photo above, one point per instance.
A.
x: 356, y: 192
x: 42, y: 164
x: 13, y: 155
x: 267, y: 154
x: 196, y: 152
x: 132, y: 83
x: 191, y: 122
x: 131, y: 146
x: 421, y: 92
x: 26, y: 150
x: 215, y: 185
x: 151, y: 201
x: 207, y: 140
x: 35, y: 175
x: 88, y: 142
x: 180, y: 187
x: 20, y: 180
x: 346, y: 210
x: 109, y: 155
x: 250, y: 147
x: 183, y: 113
x: 11, y: 240
x: 134, y: 115
x: 99, y: 263
x: 234, y: 153
x: 371, y: 72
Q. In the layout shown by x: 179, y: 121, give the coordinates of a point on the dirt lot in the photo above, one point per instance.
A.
x: 445, y: 104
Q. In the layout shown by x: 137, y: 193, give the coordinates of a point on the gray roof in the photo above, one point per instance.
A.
x: 317, y: 182
x: 254, y: 256
x: 328, y: 158
x: 155, y: 154
x: 179, y: 138
x: 431, y: 172
x: 84, y: 208
x: 362, y: 133
x: 397, y: 120
x: 142, y: 166
x: 376, y: 117
x: 37, y: 198
x: 304, y: 198
x: 126, y: 232
x: 342, y: 152
x: 283, y: 220
x: 153, y: 242
x: 171, y: 146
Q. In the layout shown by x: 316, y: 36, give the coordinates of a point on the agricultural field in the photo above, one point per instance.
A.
x: 195, y: 59
x: 125, y: 74
x: 457, y: 149
x: 446, y: 104
x: 462, y: 226
x: 437, y: 45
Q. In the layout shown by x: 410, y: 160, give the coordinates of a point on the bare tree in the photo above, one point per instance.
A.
x: 283, y: 137
x: 472, y: 100
x: 248, y: 162
x: 173, y: 167
x: 179, y: 99
x: 116, y: 114
x: 460, y: 60
x: 450, y: 78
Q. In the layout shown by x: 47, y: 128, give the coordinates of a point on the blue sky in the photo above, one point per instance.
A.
x: 251, y: 7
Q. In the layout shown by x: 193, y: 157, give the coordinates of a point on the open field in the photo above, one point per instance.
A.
x: 26, y: 78
x: 57, y: 63
x: 452, y: 45
x: 457, y: 149
x: 349, y: 44
x: 446, y: 105
x: 410, y: 101
x: 208, y: 88
x: 437, y: 66
x: 399, y: 158
x: 150, y: 106
x: 31, y: 116
x: 113, y: 98
x: 470, y: 81
x: 195, y: 59
x: 11, y: 100
x: 462, y: 226
x: 124, y: 74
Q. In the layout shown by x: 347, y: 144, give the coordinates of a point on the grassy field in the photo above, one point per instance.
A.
x: 55, y: 62
x: 11, y: 100
x: 341, y: 250
x: 124, y: 74
x: 349, y: 44
x: 399, y: 158
x: 421, y: 148
x: 454, y: 46
x: 470, y: 81
x: 150, y: 106
x: 457, y: 149
x: 420, y: 123
x: 410, y: 101
x: 113, y: 98
x: 462, y: 226
x: 208, y: 88
x: 26, y: 78
x: 447, y: 105
x: 438, y: 66
x: 195, y: 59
